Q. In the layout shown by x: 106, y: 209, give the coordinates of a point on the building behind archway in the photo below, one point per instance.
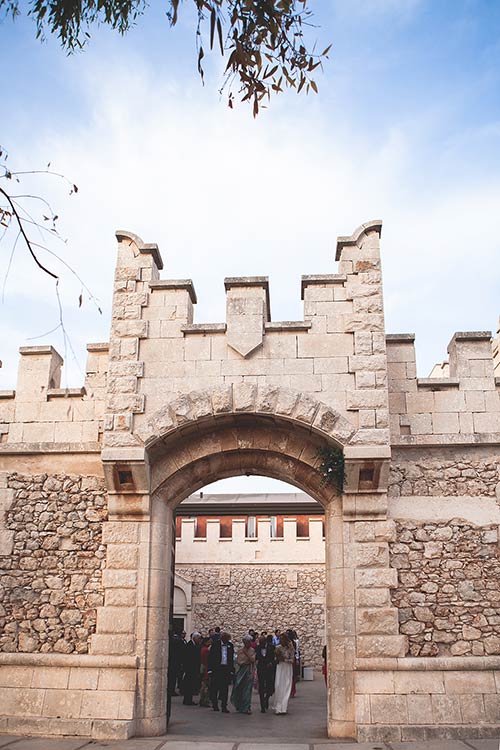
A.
x: 255, y: 560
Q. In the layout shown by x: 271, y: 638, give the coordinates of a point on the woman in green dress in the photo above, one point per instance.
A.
x: 241, y: 696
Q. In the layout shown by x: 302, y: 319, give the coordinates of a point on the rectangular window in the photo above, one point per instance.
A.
x: 274, y: 527
x: 251, y: 527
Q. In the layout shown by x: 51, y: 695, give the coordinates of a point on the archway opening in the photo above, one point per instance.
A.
x: 250, y: 556
x: 184, y: 461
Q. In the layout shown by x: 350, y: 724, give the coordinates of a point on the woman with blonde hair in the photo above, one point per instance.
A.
x: 285, y: 658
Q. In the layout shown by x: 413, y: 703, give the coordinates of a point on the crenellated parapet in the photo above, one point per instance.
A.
x: 41, y: 413
x: 338, y: 355
x: 459, y: 404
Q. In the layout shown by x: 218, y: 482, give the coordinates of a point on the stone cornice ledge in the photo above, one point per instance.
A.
x: 27, y: 448
x: 288, y: 325
x: 69, y: 660
x: 99, y: 346
x: 427, y: 663
x: 66, y: 392
x: 399, y: 338
x: 437, y: 384
x: 470, y: 336
x: 204, y: 328
x: 320, y: 279
x: 174, y: 284
x: 450, y: 440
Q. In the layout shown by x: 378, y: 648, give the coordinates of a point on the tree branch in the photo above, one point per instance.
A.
x: 25, y: 236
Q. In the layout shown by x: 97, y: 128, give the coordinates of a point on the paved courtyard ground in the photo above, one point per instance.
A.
x: 195, y: 728
x: 306, y: 718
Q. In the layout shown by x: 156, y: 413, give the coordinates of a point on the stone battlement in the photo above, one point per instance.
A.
x: 463, y: 402
x: 338, y: 353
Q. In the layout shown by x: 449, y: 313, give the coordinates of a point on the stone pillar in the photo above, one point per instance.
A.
x: 340, y: 626
x: 154, y: 590
x: 377, y: 626
x: 359, y: 259
x: 134, y: 618
x: 39, y: 370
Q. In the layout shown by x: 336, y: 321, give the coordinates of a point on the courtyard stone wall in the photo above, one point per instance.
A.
x: 262, y: 597
x: 50, y: 583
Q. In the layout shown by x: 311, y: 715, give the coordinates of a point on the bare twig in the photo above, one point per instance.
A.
x: 25, y: 236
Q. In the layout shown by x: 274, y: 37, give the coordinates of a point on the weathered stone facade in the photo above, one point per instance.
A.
x: 50, y: 584
x: 169, y: 406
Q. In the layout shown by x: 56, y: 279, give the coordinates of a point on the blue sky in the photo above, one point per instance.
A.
x: 406, y: 127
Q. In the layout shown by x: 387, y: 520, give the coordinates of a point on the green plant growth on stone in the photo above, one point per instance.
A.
x: 331, y: 467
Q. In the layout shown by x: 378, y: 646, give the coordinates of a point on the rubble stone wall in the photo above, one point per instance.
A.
x: 50, y: 585
x: 262, y: 597
x: 446, y: 475
x: 448, y: 591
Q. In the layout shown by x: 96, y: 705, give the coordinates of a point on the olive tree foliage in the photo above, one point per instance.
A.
x: 262, y: 40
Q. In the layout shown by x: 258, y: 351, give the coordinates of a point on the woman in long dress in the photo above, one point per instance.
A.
x: 285, y: 657
x: 241, y: 695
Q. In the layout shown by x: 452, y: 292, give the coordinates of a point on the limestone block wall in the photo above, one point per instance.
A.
x: 446, y: 505
x: 444, y: 410
x: 446, y: 472
x: 427, y: 699
x: 51, y: 562
x: 41, y: 413
x: 261, y: 596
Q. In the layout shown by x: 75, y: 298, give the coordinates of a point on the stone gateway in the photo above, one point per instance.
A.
x: 91, y: 477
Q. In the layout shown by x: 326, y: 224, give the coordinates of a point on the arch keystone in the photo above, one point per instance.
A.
x: 222, y: 399
x: 244, y: 396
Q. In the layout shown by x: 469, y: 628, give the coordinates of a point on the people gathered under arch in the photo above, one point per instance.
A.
x: 212, y: 667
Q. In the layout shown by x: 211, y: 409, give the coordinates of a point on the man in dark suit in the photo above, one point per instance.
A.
x: 221, y: 670
x: 264, y: 656
x: 192, y: 663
